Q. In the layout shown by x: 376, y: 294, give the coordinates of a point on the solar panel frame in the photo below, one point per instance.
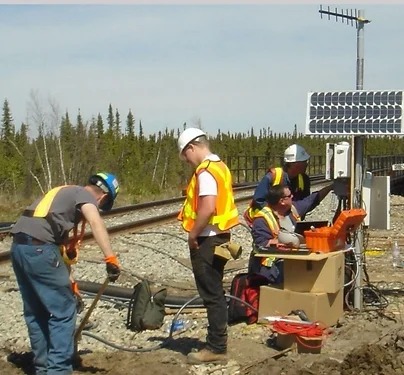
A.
x: 360, y: 112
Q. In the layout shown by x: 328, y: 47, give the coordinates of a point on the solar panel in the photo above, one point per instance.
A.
x: 355, y: 112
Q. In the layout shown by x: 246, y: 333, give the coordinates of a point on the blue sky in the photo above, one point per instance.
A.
x: 227, y: 67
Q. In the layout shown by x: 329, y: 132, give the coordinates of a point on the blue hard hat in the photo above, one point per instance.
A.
x: 109, y: 184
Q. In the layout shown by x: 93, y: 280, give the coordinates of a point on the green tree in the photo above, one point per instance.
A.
x: 117, y: 124
x: 7, y: 130
x: 110, y: 121
x: 130, y: 126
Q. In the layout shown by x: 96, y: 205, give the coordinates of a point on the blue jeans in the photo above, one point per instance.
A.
x: 208, y: 273
x: 49, y: 306
x: 274, y: 274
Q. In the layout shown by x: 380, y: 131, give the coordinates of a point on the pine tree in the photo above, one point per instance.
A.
x: 110, y: 120
x: 130, y: 126
x: 100, y: 127
x: 117, y: 124
x: 7, y: 130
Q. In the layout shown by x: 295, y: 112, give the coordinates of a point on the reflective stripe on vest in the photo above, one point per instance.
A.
x: 278, y: 174
x: 42, y: 210
x: 300, y: 182
x: 277, y: 177
x: 226, y: 213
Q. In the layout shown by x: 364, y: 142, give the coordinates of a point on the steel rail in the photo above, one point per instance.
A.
x: 6, y: 227
x: 157, y: 220
x: 164, y: 202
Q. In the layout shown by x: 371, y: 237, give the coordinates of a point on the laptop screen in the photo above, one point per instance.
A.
x: 301, y: 226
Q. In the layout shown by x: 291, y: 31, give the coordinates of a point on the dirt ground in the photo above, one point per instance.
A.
x: 367, y: 342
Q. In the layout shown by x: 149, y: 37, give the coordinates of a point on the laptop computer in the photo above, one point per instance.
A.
x: 273, y: 250
x: 302, y: 226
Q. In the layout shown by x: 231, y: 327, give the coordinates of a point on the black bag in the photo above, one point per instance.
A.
x: 246, y: 287
x: 146, y: 311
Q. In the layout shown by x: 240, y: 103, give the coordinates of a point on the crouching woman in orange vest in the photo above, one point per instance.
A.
x: 207, y: 215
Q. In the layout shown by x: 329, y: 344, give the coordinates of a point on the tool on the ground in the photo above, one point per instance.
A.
x: 77, y: 334
x: 228, y: 250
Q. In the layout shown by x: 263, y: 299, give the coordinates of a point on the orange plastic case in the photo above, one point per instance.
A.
x: 327, y: 239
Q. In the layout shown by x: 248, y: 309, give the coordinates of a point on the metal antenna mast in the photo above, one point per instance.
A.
x: 356, y: 17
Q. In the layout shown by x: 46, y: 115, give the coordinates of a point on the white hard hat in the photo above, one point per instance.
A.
x: 187, y: 136
x: 295, y: 153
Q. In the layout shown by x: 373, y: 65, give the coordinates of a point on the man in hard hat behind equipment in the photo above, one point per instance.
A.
x: 292, y: 174
x: 42, y: 252
x: 295, y: 164
x: 208, y: 214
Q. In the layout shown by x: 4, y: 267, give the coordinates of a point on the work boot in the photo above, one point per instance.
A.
x: 206, y: 356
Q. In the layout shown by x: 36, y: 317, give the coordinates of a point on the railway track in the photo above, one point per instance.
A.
x: 147, y: 249
x: 130, y: 214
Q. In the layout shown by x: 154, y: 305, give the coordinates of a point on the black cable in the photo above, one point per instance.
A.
x: 165, y: 233
x: 166, y: 254
x: 170, y: 335
x: 337, y: 210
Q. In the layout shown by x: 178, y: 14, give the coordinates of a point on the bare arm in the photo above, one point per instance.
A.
x: 206, y: 209
x: 93, y: 217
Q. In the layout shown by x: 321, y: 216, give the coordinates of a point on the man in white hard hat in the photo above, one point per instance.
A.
x: 208, y: 214
x: 292, y: 174
x: 278, y: 217
x: 295, y: 160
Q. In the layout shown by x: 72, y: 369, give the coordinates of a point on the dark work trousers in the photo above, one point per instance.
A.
x: 274, y: 274
x: 208, y: 273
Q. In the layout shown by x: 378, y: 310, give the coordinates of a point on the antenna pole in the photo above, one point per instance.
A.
x: 358, y: 141
x: 359, y: 162
x: 360, y: 55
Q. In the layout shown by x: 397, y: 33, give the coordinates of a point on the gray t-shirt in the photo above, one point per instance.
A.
x: 64, y: 213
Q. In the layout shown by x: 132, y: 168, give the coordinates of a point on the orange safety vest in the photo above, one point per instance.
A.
x: 273, y: 224
x: 277, y: 173
x: 226, y: 213
x: 69, y: 251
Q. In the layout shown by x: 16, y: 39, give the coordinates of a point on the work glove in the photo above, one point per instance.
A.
x: 77, y: 296
x: 113, y: 268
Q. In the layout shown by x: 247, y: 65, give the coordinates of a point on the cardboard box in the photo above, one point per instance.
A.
x: 321, y: 276
x: 302, y: 344
x: 324, y: 308
x: 311, y: 345
x: 284, y: 341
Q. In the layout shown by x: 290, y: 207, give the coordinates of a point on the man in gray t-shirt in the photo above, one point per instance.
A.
x: 42, y: 274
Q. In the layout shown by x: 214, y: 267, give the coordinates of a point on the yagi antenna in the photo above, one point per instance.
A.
x: 348, y: 15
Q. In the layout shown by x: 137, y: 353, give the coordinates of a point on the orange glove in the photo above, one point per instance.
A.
x: 75, y: 287
x: 113, y: 268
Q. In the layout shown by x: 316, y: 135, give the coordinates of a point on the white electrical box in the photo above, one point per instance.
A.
x: 342, y: 160
x: 380, y: 203
x: 366, y: 196
x: 337, y: 161
x: 329, y: 161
